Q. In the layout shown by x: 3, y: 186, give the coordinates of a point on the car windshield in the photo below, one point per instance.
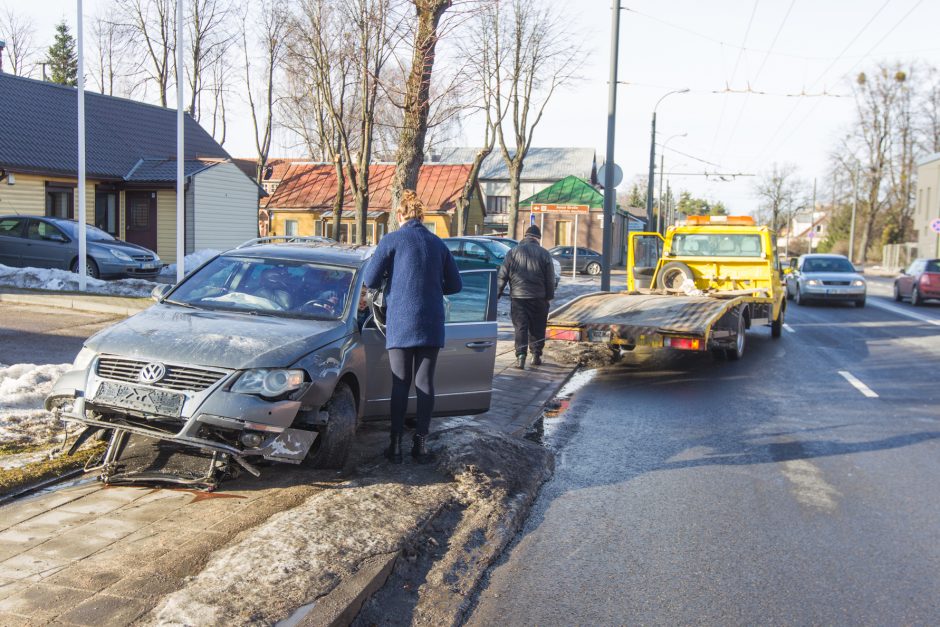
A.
x: 716, y: 245
x: 827, y: 264
x: 933, y: 266
x: 268, y: 286
x: 92, y: 233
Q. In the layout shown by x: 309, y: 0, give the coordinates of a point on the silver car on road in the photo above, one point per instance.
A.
x: 821, y: 277
x: 269, y: 351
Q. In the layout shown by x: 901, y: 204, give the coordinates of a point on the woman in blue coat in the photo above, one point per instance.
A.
x: 419, y: 271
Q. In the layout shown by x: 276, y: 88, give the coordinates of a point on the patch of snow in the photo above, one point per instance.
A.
x: 57, y: 280
x: 190, y: 262
x: 23, y: 388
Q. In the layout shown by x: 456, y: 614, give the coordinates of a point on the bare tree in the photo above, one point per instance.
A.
x: 930, y: 117
x: 272, y: 26
x: 416, y: 105
x: 152, y: 25
x: 209, y: 38
x: 18, y: 31
x: 111, y: 66
x: 541, y: 57
x: 779, y: 191
x: 218, y: 91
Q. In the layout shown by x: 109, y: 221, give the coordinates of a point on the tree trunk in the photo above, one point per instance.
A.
x: 340, y: 196
x: 362, y: 207
x: 515, y: 173
x: 463, y: 203
x: 417, y: 103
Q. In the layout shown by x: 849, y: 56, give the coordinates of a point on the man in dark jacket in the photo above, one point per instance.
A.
x: 529, y: 271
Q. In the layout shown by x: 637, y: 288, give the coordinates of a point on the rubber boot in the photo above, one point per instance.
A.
x: 393, y: 452
x: 537, y: 359
x: 520, y: 362
x: 419, y: 450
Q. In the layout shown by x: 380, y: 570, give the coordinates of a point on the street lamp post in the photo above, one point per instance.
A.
x: 660, y: 222
x: 610, y: 192
x: 649, y: 183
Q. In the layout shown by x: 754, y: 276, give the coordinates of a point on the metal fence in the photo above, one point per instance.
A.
x: 897, y: 256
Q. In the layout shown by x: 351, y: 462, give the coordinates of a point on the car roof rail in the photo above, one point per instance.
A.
x: 285, y: 239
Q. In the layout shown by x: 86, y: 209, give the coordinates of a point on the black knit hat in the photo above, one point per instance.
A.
x: 533, y: 231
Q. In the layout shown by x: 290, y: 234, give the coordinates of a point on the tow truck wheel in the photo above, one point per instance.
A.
x: 737, y: 352
x: 331, y: 447
x: 776, y: 326
x: 673, y: 275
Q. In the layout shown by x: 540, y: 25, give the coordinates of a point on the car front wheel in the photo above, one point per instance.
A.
x: 91, y: 268
x: 897, y: 293
x: 593, y: 268
x: 800, y: 299
x: 915, y: 297
x: 334, y: 439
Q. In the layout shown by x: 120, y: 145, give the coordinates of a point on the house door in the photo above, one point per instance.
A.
x: 563, y: 233
x: 141, y: 219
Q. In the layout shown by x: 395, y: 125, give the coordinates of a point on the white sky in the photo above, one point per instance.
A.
x: 673, y: 44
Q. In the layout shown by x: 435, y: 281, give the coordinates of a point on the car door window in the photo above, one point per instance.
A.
x: 472, y: 303
x: 12, y: 227
x: 473, y: 250
x: 39, y: 230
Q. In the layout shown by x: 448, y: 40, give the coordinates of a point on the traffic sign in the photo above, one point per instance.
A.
x: 560, y: 209
x: 602, y: 175
x: 935, y: 225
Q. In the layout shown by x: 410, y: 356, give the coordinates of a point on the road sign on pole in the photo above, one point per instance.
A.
x: 935, y: 226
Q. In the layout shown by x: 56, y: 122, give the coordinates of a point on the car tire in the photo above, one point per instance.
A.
x: 915, y: 297
x: 789, y: 293
x: 897, y: 293
x: 593, y: 268
x: 776, y: 326
x: 91, y: 268
x: 860, y: 302
x: 673, y: 274
x: 331, y: 448
x: 740, y: 339
x: 800, y: 299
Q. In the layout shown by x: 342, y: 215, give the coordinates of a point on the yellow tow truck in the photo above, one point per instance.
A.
x: 699, y: 288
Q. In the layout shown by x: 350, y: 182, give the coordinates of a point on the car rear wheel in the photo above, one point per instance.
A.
x: 91, y: 268
x: 331, y: 447
x: 915, y: 297
x: 593, y: 268
x: 737, y: 352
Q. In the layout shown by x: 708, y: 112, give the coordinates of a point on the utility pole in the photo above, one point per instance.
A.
x: 812, y: 221
x: 854, y: 210
x: 610, y: 191
x: 649, y: 180
x: 180, y: 150
x: 82, y: 200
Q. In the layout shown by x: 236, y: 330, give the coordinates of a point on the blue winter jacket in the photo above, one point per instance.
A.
x: 420, y: 272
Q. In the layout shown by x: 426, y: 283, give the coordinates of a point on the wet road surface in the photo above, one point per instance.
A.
x: 797, y: 486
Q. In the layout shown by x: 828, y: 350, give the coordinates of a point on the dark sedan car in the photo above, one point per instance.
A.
x: 589, y: 261
x: 919, y: 281
x: 38, y: 242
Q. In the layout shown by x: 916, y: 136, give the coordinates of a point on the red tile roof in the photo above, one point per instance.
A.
x: 313, y: 186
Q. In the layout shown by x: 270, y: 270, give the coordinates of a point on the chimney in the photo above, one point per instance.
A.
x: 3, y: 45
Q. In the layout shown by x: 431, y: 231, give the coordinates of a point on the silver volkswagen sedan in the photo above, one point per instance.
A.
x: 820, y: 277
x: 268, y: 351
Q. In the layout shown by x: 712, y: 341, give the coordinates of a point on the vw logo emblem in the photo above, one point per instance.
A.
x: 151, y: 373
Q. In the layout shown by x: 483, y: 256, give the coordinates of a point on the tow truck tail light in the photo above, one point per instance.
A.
x: 569, y: 335
x: 683, y: 343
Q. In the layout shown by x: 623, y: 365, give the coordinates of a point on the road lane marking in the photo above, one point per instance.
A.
x: 858, y: 385
x: 904, y: 312
x: 787, y: 327
x: 808, y: 485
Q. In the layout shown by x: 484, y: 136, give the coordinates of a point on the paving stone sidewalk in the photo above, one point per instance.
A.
x: 95, y: 555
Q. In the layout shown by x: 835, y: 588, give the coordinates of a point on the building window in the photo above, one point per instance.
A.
x: 290, y: 227
x: 562, y: 232
x: 106, y: 212
x: 497, y: 204
x: 59, y: 202
x: 431, y: 226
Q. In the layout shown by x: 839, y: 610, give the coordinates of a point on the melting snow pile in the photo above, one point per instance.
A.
x: 190, y: 262
x: 23, y: 388
x: 64, y: 281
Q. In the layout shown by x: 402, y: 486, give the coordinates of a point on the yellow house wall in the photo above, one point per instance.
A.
x: 28, y: 195
x: 166, y: 225
x: 305, y: 222
x: 442, y: 224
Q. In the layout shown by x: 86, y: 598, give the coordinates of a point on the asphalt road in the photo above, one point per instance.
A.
x: 774, y: 490
x: 44, y: 335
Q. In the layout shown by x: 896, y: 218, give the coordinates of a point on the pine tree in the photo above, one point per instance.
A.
x: 62, y: 58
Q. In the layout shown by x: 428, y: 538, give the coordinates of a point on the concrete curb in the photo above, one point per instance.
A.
x: 120, y: 305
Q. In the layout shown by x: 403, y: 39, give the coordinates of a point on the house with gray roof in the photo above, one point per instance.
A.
x: 130, y: 169
x: 542, y: 168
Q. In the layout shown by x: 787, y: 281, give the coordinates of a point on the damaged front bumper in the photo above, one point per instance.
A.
x: 215, y: 420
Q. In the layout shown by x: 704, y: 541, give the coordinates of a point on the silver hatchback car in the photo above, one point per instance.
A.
x: 268, y: 351
x: 821, y: 277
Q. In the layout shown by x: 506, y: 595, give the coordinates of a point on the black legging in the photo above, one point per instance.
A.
x: 404, y: 361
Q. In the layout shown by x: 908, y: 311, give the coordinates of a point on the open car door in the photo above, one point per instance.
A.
x: 463, y: 380
x: 643, y: 254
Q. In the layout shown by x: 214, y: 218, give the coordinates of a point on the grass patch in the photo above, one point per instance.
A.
x: 17, y: 478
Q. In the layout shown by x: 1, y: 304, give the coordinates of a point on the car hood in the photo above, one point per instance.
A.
x: 833, y: 276
x: 178, y: 335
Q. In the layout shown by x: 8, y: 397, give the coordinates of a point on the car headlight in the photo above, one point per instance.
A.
x: 858, y: 283
x: 83, y: 359
x: 120, y: 254
x: 269, y: 382
x: 813, y: 282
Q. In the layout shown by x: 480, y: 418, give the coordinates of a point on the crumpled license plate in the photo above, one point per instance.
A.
x: 597, y: 335
x: 126, y: 396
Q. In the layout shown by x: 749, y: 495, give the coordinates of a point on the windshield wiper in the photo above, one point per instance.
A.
x: 187, y: 305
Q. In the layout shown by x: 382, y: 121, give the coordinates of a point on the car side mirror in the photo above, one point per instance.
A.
x: 160, y: 291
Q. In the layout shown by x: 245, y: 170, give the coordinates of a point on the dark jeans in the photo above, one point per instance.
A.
x: 529, y: 316
x: 420, y: 362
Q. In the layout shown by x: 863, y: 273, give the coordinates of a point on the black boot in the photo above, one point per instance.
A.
x: 419, y: 450
x: 536, y: 359
x: 393, y: 452
x: 520, y: 362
